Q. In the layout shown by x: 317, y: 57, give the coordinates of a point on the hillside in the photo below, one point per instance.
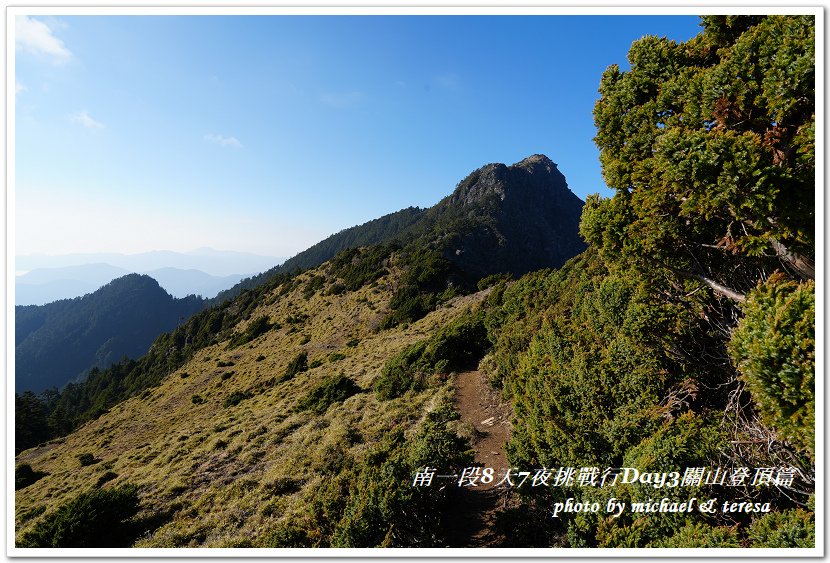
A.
x: 250, y: 448
x: 377, y: 231
x: 375, y: 322
x: 500, y: 221
x: 59, y: 342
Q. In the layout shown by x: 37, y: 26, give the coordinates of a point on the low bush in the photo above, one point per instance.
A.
x: 257, y: 327
x: 460, y: 345
x: 24, y: 476
x: 298, y: 365
x: 86, y: 459
x: 234, y: 399
x: 773, y: 348
x: 106, y: 478
x: 791, y: 528
x: 99, y: 518
x: 333, y: 389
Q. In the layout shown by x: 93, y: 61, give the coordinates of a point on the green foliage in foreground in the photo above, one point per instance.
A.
x: 710, y: 145
x: 604, y: 373
x: 774, y: 349
x: 622, y: 358
x: 701, y: 535
x: 792, y: 528
x: 372, y: 503
x: 98, y: 518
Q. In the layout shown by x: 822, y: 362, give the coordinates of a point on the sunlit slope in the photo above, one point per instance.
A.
x: 227, y: 447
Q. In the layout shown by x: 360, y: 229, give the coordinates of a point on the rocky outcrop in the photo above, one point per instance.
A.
x: 525, y: 218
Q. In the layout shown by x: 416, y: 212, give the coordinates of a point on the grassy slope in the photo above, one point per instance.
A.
x: 227, y: 475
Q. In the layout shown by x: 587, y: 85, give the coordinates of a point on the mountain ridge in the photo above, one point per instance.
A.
x: 536, y: 186
x: 58, y: 342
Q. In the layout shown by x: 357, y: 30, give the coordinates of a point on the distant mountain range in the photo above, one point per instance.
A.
x: 208, y: 260
x: 203, y: 272
x: 45, y: 285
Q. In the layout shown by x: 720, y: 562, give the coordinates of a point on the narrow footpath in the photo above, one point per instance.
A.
x: 474, y: 515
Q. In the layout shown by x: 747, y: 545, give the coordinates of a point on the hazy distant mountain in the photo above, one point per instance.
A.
x: 210, y: 261
x: 59, y: 342
x: 181, y: 283
x: 45, y: 285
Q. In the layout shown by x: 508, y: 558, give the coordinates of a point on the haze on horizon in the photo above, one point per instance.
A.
x: 265, y: 134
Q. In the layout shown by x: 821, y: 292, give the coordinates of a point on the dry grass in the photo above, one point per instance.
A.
x: 226, y: 475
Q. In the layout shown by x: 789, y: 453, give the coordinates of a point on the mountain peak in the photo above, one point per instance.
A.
x: 528, y: 218
x: 535, y: 161
x: 533, y: 178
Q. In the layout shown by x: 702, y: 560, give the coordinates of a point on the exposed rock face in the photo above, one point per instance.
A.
x: 528, y: 218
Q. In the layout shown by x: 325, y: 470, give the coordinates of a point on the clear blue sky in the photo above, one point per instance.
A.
x: 268, y: 133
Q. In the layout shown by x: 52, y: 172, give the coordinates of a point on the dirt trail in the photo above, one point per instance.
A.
x: 474, y: 513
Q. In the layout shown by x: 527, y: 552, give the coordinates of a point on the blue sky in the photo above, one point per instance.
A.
x: 268, y: 133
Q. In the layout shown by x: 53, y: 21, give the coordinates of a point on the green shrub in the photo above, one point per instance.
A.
x: 24, y: 476
x: 357, y: 267
x: 286, y: 535
x: 701, y: 535
x: 86, y: 459
x: 353, y: 342
x: 196, y: 400
x: 457, y: 346
x: 774, y: 350
x: 398, y: 375
x: 336, y: 356
x: 234, y: 399
x: 491, y: 280
x: 374, y: 503
x: 333, y: 389
x: 337, y: 288
x: 99, y: 518
x: 312, y: 285
x: 257, y: 327
x: 298, y: 365
x: 106, y: 478
x: 315, y: 363
x: 791, y: 528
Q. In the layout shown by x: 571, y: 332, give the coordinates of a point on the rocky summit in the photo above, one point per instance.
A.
x: 533, y: 218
